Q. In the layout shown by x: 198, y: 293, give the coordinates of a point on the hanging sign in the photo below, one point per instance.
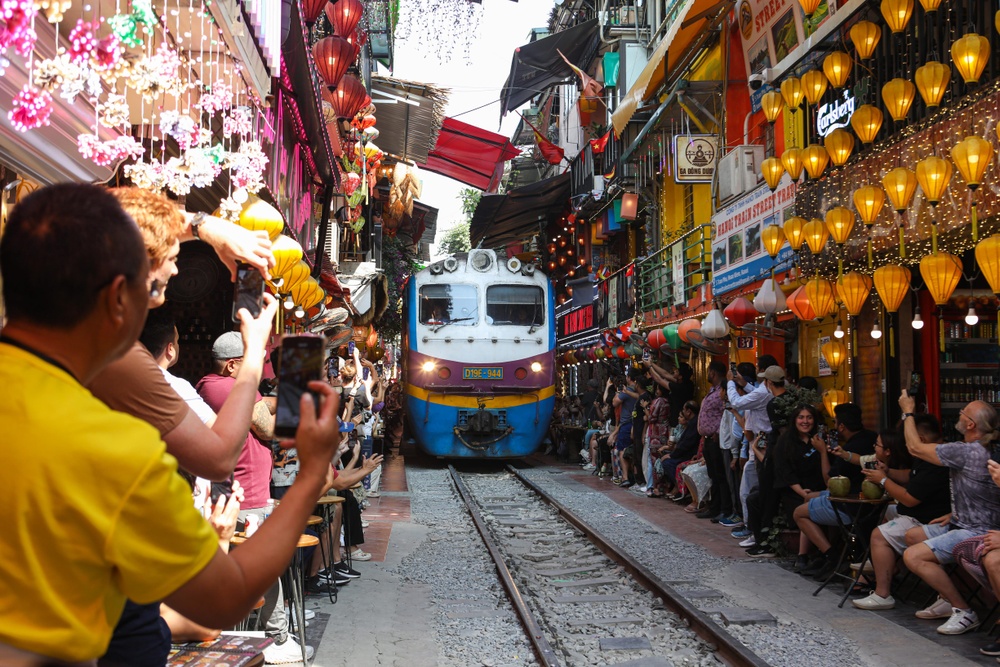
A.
x: 677, y: 265
x: 837, y: 114
x: 694, y: 157
x: 824, y: 367
x: 744, y: 342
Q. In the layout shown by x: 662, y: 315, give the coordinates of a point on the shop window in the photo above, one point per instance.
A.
x: 449, y: 304
x: 515, y: 305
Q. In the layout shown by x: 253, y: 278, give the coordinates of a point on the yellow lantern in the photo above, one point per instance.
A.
x: 794, y: 229
x: 930, y: 5
x: 287, y: 253
x: 897, y: 13
x: 988, y: 258
x: 840, y: 223
x: 839, y: 144
x: 816, y: 236
x: 837, y: 67
x: 869, y: 200
x: 933, y: 175
x: 970, y: 53
x: 832, y: 398
x: 772, y: 103
x: 898, y: 96
x: 820, y: 293
x: 791, y: 92
x: 260, y: 215
x: 853, y: 289
x: 941, y: 272
x: 815, y: 158
x: 972, y: 156
x: 809, y: 7
x: 773, y: 237
x: 791, y: 160
x: 814, y: 85
x: 892, y: 282
x: 932, y: 81
x: 307, y: 294
x: 900, y: 184
x: 996, y: 20
x: 295, y: 275
x: 865, y: 36
x: 835, y: 353
x: 866, y: 121
x: 773, y: 171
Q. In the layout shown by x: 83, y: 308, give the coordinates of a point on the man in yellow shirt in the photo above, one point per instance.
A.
x: 96, y: 512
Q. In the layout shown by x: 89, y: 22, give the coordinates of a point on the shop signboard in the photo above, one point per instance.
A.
x: 694, y: 157
x: 824, y: 367
x: 836, y: 114
x: 577, y: 324
x: 616, y: 298
x: 738, y: 256
x: 677, y: 266
x: 744, y: 342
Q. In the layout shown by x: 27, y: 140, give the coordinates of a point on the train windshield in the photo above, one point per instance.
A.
x: 449, y: 304
x: 518, y: 305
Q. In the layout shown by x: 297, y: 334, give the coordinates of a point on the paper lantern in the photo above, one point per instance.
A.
x: 686, y: 327
x: 715, y: 325
x: 773, y: 171
x: 815, y: 158
x: 792, y: 93
x: 770, y: 299
x: 840, y: 223
x: 821, y: 296
x: 835, y: 353
x: 839, y: 144
x: 970, y: 54
x: 941, y: 272
x: 656, y: 339
x: 816, y: 235
x: 972, y: 156
x: 832, y: 398
x: 260, y: 215
x: 898, y: 95
x: 866, y: 122
x: 344, y: 16
x: 741, y: 311
x: 298, y: 273
x: 773, y: 237
x: 311, y: 9
x: 772, y: 103
x: 673, y: 337
x: 837, y: 67
x: 348, y: 98
x: 865, y: 35
x: 932, y: 81
x: 988, y: 259
x: 793, y: 229
x: 930, y: 5
x: 869, y: 200
x: 853, y: 289
x: 900, y: 184
x: 814, y: 84
x: 287, y: 253
x: 809, y: 7
x: 307, y: 294
x: 897, y: 13
x: 791, y: 160
x: 892, y: 282
x: 798, y: 303
x: 621, y: 352
x: 333, y: 55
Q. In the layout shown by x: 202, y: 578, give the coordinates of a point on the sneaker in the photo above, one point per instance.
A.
x: 626, y: 484
x: 338, y: 578
x: 992, y: 649
x: 358, y: 554
x: 741, y: 533
x: 349, y: 572
x: 704, y: 514
x: 719, y: 517
x: 876, y: 602
x: 286, y: 652
x: 585, y: 455
x: 760, y: 552
x: 800, y: 563
x: 373, y: 494
x: 938, y: 609
x: 590, y: 466
x: 733, y: 521
x: 750, y: 541
x: 961, y: 621
x: 364, y: 524
x: 617, y: 481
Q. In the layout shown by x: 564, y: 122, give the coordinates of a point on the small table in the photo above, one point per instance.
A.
x: 866, y: 509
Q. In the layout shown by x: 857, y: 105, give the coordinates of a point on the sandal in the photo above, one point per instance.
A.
x: 692, y: 508
x: 654, y: 494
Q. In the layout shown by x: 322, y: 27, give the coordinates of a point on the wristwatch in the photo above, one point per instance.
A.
x: 882, y: 481
x: 905, y: 415
x: 196, y: 222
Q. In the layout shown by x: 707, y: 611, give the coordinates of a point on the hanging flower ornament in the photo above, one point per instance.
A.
x: 219, y: 99
x: 54, y: 9
x: 237, y: 121
x: 113, y: 111
x: 31, y: 109
x: 17, y: 16
x: 181, y: 127
x: 107, y: 55
x: 82, y: 42
x: 126, y: 29
x: 108, y: 152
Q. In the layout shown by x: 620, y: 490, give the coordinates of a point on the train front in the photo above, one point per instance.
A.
x: 479, y: 365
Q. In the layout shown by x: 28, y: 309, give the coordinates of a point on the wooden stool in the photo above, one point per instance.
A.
x: 296, y: 595
x: 245, y: 624
x: 314, y: 520
x: 356, y: 486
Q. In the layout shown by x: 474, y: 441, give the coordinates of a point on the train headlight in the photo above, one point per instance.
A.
x: 536, y: 367
x: 428, y: 366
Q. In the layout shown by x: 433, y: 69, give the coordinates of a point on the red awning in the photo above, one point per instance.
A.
x: 470, y: 155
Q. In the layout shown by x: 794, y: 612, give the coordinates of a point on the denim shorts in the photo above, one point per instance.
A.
x: 821, y: 511
x: 624, y: 440
x: 942, y: 541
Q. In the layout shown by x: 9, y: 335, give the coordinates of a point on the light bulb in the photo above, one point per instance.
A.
x: 289, y: 304
x: 240, y: 195
x: 971, y: 318
x: 918, y: 323
x: 839, y: 331
x: 876, y: 332
x: 299, y: 312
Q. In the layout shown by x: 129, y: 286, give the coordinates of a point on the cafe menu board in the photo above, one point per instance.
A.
x: 738, y: 256
x: 225, y: 650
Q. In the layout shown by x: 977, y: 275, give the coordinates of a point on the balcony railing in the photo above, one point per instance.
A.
x: 659, y: 287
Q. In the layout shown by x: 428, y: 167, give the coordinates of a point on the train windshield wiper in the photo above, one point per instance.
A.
x: 444, y: 324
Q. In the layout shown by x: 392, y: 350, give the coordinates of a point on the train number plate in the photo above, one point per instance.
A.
x: 482, y: 373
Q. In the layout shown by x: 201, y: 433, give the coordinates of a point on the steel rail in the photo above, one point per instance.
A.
x: 543, y: 650
x: 728, y: 648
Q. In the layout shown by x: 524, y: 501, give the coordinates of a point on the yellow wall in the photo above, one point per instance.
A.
x: 809, y: 353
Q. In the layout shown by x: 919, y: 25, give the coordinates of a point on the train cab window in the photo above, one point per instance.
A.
x: 449, y: 304
x: 516, y: 305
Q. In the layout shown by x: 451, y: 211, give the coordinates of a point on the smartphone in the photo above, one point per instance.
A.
x: 301, y: 363
x: 732, y: 367
x: 350, y: 349
x: 646, y: 355
x: 364, y: 373
x: 333, y: 367
x: 914, y: 384
x: 821, y: 431
x: 249, y: 291
x: 871, y: 465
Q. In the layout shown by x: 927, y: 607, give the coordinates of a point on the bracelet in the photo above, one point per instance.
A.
x: 196, y: 222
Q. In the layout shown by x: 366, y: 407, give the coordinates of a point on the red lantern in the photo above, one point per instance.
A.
x: 349, y: 97
x: 656, y: 339
x: 311, y: 10
x: 333, y: 55
x: 740, y: 312
x: 344, y: 16
x: 687, y: 326
x: 621, y: 352
x: 357, y: 40
x: 798, y: 303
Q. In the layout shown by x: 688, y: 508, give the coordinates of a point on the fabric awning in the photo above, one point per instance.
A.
x: 519, y: 214
x: 470, y: 155
x: 691, y: 17
x: 537, y: 65
x: 409, y: 116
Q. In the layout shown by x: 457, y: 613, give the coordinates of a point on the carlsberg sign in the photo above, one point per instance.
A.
x: 836, y: 114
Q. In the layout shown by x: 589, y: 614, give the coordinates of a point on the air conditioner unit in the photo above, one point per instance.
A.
x: 739, y: 172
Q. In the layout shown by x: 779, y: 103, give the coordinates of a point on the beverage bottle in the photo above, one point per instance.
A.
x: 269, y: 507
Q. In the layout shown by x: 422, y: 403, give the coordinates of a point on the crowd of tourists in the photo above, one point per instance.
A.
x: 750, y: 449
x: 135, y: 482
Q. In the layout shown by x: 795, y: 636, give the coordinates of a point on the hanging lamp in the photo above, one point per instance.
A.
x: 897, y: 13
x: 798, y: 303
x: 821, y: 296
x: 814, y: 85
x: 835, y: 353
x: 772, y: 170
x: 311, y: 9
x: 741, y: 312
x: 853, y: 289
x: 840, y: 223
x: 791, y: 160
x: 934, y: 175
x: 772, y: 237
x: 809, y: 7
x: 898, y: 95
x: 832, y: 398
x: 333, y: 55
x: 970, y: 54
x: 715, y: 325
x: 892, y: 282
x: 865, y: 35
x: 930, y: 5
x: 770, y: 299
x: 941, y: 272
x: 287, y: 253
x: 816, y: 235
x: 868, y: 200
x: 344, y: 16
x: 259, y: 215
x: 791, y: 91
x: 348, y: 97
x: 973, y: 156
x: 837, y: 67
x: 932, y: 81
x: 866, y: 122
x: 794, y: 231
x: 815, y: 158
x: 900, y: 184
x: 839, y: 144
x: 772, y: 104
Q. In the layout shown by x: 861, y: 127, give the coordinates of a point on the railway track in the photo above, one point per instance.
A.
x: 580, y: 601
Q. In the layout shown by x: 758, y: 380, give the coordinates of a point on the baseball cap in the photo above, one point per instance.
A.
x: 228, y: 346
x: 773, y: 374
